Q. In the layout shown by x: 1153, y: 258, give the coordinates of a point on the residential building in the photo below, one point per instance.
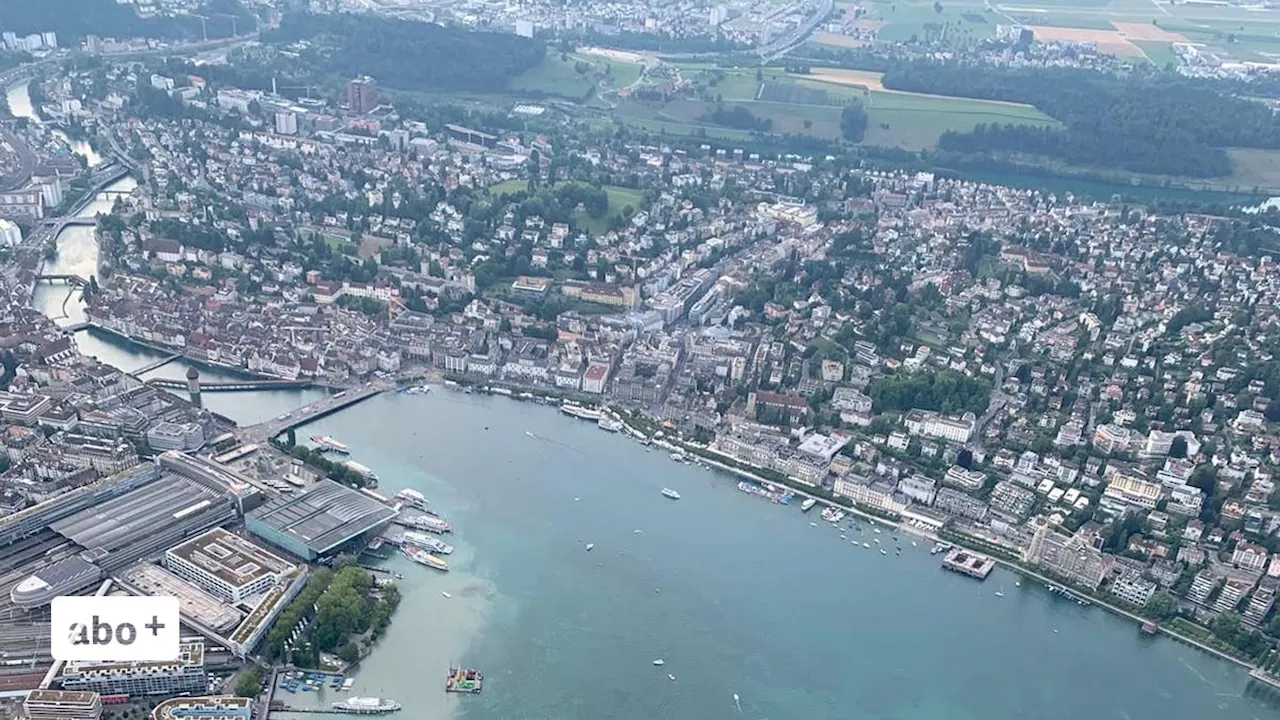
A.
x: 1068, y: 556
x: 1132, y: 588
x: 1232, y: 593
x: 362, y: 95
x: 931, y: 424
x: 1202, y: 586
x: 1260, y: 603
x: 955, y: 503
x: 1248, y: 556
x: 919, y: 488
x: 1124, y: 490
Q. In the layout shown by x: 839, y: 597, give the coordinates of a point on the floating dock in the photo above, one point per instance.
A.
x: 969, y: 563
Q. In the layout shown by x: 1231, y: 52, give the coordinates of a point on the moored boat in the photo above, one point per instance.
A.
x: 324, y: 442
x: 366, y: 706
x: 668, y: 492
x: 807, y: 505
x: 609, y: 424
x: 430, y: 543
x: 422, y: 557
x: 430, y: 523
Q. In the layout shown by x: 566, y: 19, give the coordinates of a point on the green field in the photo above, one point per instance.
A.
x: 1159, y: 53
x: 554, y: 76
x: 960, y: 23
x: 619, y: 198
x: 558, y: 75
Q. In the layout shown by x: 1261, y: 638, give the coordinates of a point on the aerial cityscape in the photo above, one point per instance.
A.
x: 644, y: 360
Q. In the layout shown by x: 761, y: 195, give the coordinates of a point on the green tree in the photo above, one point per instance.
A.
x: 250, y: 682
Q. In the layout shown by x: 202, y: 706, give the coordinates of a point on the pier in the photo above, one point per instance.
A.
x: 157, y: 364
x: 969, y: 563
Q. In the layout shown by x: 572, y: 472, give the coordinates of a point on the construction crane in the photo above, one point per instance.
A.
x: 204, y: 31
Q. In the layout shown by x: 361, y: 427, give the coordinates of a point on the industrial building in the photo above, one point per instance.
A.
x: 319, y: 521
x: 185, y: 675
x: 62, y: 705
x: 229, y: 567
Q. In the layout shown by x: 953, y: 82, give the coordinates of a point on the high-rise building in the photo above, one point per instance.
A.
x: 50, y: 40
x: 286, y: 123
x: 362, y: 95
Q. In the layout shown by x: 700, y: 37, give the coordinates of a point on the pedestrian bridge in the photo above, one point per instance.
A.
x: 74, y: 280
x: 238, y: 386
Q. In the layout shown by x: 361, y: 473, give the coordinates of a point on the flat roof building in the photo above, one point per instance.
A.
x: 62, y: 705
x: 230, y: 567
x: 186, y: 674
x: 217, y: 707
x: 318, y: 521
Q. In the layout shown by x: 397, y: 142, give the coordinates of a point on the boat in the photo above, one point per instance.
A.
x: 430, y: 523
x: 582, y: 413
x: 813, y: 524
x: 413, y: 497
x: 445, y: 595
x: 346, y: 684
x: 464, y: 680
x: 807, y: 505
x: 589, y: 546
x: 430, y: 543
x: 866, y: 545
x: 671, y: 677
x: 668, y: 492
x: 530, y: 434
x: 365, y: 471
x: 422, y: 557
x: 367, y: 706
x: 609, y: 424
x: 829, y: 513
x: 677, y: 456
x: 882, y: 552
x: 999, y: 593
x: 324, y: 442
x: 659, y: 662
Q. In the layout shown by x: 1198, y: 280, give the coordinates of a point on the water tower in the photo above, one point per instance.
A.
x: 193, y: 383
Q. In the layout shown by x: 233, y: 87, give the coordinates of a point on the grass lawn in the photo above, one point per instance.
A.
x: 623, y: 73
x: 962, y: 23
x: 1255, y: 168
x: 554, y: 76
x: 508, y: 187
x: 619, y: 197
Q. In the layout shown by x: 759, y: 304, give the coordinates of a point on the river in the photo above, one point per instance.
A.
x: 19, y: 97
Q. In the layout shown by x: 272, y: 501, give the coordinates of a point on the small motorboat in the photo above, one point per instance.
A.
x: 671, y: 677
x: 999, y: 593
x: 445, y: 595
x: 813, y: 524
x: 669, y: 493
x: 659, y: 662
x: 590, y: 546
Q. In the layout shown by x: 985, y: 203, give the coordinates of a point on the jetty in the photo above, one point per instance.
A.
x: 969, y: 563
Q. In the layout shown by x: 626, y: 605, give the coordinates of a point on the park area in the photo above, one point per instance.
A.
x: 574, y: 76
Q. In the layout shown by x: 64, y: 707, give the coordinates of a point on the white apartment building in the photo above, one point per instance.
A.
x: 931, y: 424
